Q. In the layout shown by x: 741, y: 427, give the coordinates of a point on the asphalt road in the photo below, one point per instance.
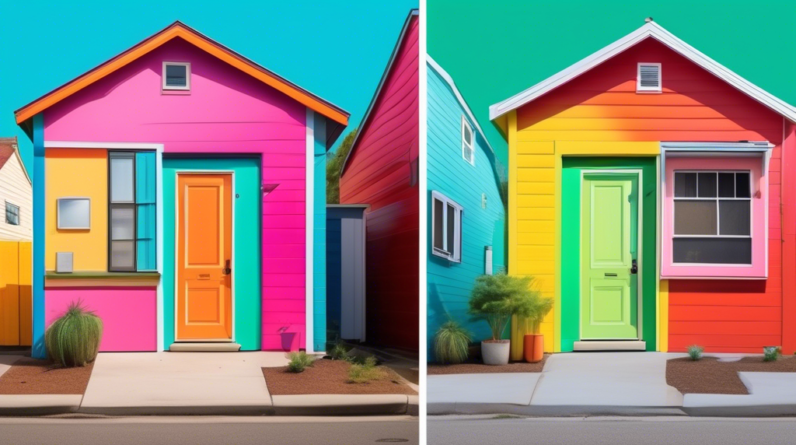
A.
x: 210, y: 430
x: 456, y: 430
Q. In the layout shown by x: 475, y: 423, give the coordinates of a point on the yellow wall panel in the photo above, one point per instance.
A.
x: 531, y: 201
x: 539, y: 253
x: 533, y: 239
x: 9, y: 293
x: 77, y: 173
x: 535, y: 188
x: 536, y: 161
x: 536, y: 226
x: 536, y: 175
x: 536, y: 267
x: 535, y: 148
x: 663, y: 316
x: 536, y: 214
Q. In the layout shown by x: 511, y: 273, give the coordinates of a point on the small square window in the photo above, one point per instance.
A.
x: 176, y: 76
x: 74, y: 214
x: 12, y: 214
x: 648, y: 78
x: 468, y: 153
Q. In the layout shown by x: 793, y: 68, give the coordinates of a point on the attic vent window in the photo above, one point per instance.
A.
x: 176, y: 76
x: 649, y: 78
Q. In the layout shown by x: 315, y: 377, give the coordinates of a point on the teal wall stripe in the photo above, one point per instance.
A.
x: 247, y: 259
x: 145, y: 191
x: 319, y: 237
x: 37, y: 349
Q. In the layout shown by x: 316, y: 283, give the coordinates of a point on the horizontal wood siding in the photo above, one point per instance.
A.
x: 602, y: 105
x: 15, y: 188
x: 379, y: 173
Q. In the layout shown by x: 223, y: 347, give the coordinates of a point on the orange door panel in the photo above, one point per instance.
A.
x: 204, y: 253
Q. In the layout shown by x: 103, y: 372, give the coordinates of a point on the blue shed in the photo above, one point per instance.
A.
x: 466, y: 211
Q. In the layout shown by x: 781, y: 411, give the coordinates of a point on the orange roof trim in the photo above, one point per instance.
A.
x: 178, y: 29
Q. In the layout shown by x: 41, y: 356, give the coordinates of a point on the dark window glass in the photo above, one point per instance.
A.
x: 713, y: 250
x: 695, y: 218
x: 176, y: 76
x: 438, y: 224
x: 734, y: 217
x: 742, y: 185
x: 122, y: 230
x: 12, y: 214
x: 726, y: 185
x: 706, y: 185
x: 451, y: 227
x: 123, y: 255
x: 685, y: 185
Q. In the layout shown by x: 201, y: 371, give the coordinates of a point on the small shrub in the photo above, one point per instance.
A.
x: 73, y: 340
x: 299, y: 361
x: 365, y: 372
x: 695, y: 352
x: 339, y: 352
x: 451, y: 343
x: 496, y: 298
x: 771, y: 353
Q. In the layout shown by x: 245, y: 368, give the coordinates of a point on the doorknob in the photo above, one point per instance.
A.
x: 227, y: 268
x: 634, y: 267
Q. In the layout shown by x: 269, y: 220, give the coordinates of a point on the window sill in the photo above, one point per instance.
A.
x: 175, y: 92
x: 101, y: 279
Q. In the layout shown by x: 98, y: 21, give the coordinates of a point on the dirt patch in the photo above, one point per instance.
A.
x: 710, y: 376
x: 330, y: 377
x: 31, y: 376
x: 480, y: 368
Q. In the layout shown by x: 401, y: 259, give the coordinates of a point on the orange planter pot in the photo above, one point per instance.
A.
x: 534, y: 348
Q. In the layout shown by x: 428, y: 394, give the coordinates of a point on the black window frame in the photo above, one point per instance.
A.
x: 129, y: 154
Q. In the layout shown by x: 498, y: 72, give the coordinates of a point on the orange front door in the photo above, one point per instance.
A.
x: 204, y: 254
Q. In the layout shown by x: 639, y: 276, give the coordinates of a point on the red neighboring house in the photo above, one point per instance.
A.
x: 381, y: 171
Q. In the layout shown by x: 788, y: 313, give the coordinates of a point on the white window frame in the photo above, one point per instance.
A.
x: 19, y: 214
x: 58, y: 212
x: 456, y: 252
x: 466, y: 125
x: 187, y: 86
x: 717, y: 199
x: 641, y: 89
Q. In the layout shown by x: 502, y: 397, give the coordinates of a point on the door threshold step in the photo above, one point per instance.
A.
x: 611, y: 345
x: 204, y: 347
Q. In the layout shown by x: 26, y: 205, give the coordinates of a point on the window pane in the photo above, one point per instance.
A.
x: 438, y: 224
x: 122, y: 182
x: 742, y: 185
x: 451, y: 222
x: 713, y: 250
x: 727, y: 185
x: 734, y: 217
x: 176, y: 75
x: 122, y: 223
x: 685, y: 185
x: 122, y: 255
x: 74, y: 213
x: 707, y: 185
x: 695, y: 218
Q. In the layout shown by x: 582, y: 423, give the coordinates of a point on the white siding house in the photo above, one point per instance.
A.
x: 16, y: 206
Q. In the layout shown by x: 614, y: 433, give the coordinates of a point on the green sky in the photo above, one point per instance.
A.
x: 496, y: 49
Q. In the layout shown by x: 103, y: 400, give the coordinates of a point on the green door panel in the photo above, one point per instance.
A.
x: 609, y: 237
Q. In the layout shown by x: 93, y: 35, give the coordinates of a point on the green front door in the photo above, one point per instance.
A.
x: 609, y: 251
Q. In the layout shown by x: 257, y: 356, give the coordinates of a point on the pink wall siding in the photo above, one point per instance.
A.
x: 129, y: 315
x: 225, y: 112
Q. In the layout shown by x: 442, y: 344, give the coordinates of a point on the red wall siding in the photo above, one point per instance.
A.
x: 379, y: 172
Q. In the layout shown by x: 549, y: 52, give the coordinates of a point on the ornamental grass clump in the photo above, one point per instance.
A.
x: 365, y: 372
x: 771, y: 353
x: 451, y: 343
x: 695, y: 352
x: 73, y: 340
x: 339, y: 352
x: 298, y: 361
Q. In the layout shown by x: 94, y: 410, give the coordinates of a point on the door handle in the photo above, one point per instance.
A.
x: 634, y: 267
x: 227, y: 268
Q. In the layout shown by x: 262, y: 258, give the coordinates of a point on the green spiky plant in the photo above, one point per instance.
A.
x: 299, y: 361
x: 339, y: 352
x: 695, y: 352
x: 771, y: 353
x: 365, y: 372
x: 495, y: 298
x: 73, y: 340
x: 451, y: 343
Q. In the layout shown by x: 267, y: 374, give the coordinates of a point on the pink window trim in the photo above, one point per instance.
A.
x: 759, y: 192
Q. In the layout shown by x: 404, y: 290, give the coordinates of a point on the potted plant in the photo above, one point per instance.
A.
x: 495, y: 298
x: 534, y: 343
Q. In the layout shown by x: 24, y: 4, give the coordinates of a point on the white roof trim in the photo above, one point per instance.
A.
x: 657, y: 32
x: 447, y: 78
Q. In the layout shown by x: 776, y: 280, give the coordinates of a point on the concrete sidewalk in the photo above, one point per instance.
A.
x: 169, y: 383
x: 623, y: 383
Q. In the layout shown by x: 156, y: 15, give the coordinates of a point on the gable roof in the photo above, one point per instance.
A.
x: 9, y: 148
x: 366, y: 118
x: 180, y: 30
x: 657, y: 32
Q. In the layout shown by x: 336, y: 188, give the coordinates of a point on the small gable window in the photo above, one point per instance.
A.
x: 648, y: 78
x: 12, y: 214
x: 468, y: 153
x: 176, y: 76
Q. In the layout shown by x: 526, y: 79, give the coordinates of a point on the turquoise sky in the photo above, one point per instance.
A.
x: 336, y: 49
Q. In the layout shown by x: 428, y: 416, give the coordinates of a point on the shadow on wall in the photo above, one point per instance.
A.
x: 15, y: 293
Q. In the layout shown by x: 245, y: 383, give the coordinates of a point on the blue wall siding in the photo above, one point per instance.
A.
x: 319, y: 238
x: 449, y: 284
x: 145, y: 191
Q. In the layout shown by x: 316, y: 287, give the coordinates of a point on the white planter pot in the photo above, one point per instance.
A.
x: 495, y: 352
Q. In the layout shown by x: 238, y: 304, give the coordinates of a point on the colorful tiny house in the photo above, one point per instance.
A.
x: 466, y: 212
x: 178, y: 191
x: 647, y: 192
x: 382, y: 171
